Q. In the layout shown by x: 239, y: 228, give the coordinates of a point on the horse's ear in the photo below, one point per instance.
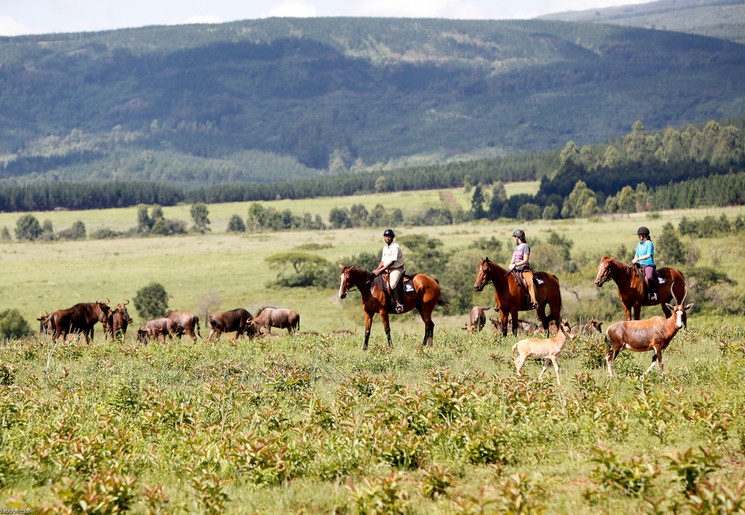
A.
x: 341, y: 266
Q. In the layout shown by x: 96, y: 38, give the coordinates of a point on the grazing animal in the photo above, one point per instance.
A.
x: 469, y: 328
x: 185, y: 322
x: 477, y: 317
x: 631, y: 287
x: 548, y: 349
x: 594, y: 326
x: 644, y: 335
x: 238, y: 320
x: 119, y: 320
x: 276, y: 317
x: 46, y: 323
x: 156, y: 328
x: 511, y: 298
x: 523, y: 327
x: 79, y: 319
x: 424, y: 298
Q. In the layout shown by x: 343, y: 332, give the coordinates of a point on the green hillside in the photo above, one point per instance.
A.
x: 283, y: 99
x: 723, y: 19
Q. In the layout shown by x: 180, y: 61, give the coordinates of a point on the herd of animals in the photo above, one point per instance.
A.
x: 423, y: 294
x: 82, y: 317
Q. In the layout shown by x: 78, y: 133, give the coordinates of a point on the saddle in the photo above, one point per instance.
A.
x: 522, y: 283
x: 648, y: 289
x: 382, y: 281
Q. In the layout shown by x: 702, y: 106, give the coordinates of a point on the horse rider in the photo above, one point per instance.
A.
x: 644, y: 257
x: 520, y: 263
x: 393, y: 261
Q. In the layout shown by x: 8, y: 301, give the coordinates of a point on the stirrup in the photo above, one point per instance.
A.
x: 399, y: 308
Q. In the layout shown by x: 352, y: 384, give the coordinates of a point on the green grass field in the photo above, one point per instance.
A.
x: 312, y: 423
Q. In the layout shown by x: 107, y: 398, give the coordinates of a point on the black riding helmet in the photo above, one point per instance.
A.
x: 642, y: 230
x: 519, y: 233
x: 389, y: 232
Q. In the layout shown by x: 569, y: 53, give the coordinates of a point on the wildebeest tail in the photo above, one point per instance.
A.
x: 196, y: 325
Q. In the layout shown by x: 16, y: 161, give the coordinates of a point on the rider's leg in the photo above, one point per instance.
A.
x: 651, y: 282
x: 528, y: 276
x: 395, y: 282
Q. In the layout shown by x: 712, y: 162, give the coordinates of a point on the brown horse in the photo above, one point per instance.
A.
x: 424, y: 298
x: 512, y: 297
x: 631, y: 288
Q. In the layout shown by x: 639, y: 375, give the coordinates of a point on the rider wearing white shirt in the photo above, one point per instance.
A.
x: 393, y: 261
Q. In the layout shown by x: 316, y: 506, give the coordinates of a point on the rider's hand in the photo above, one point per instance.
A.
x: 511, y: 267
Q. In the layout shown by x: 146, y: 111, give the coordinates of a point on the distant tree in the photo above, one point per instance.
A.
x: 529, y: 211
x: 151, y: 301
x: 209, y: 303
x: 467, y: 183
x: 48, y: 231
x: 13, y: 325
x: 580, y: 201
x: 236, y: 224
x: 626, y: 200
x: 144, y: 223
x: 167, y: 227
x: 5, y: 233
x: 199, y: 213
x: 570, y: 154
x: 477, y: 204
x: 381, y: 184
x: 551, y: 212
x: 300, y: 269
x: 256, y: 217
x: 339, y: 217
x: 670, y: 247
x: 76, y: 232
x: 28, y: 228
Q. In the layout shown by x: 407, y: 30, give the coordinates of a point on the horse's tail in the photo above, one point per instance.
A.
x: 442, y: 302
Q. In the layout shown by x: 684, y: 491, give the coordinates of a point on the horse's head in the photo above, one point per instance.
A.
x: 483, y: 274
x: 346, y: 279
x: 605, y: 271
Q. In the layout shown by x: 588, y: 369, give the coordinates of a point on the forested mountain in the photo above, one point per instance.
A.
x: 284, y: 99
x: 723, y: 19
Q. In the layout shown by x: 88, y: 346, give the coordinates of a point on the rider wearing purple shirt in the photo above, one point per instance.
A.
x: 520, y: 263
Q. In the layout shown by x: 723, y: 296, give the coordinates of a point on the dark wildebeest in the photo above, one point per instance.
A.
x: 46, y: 323
x: 238, y: 320
x: 277, y: 317
x: 477, y: 317
x: 79, y: 319
x: 156, y: 328
x: 118, y: 322
x: 186, y: 322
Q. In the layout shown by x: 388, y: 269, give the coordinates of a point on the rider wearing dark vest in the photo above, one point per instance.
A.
x: 520, y: 263
x: 393, y: 261
x: 644, y: 257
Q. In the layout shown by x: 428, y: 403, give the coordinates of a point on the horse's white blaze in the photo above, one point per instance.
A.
x: 341, y: 286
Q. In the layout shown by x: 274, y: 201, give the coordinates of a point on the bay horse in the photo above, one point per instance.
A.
x: 511, y: 297
x: 424, y: 298
x: 631, y: 287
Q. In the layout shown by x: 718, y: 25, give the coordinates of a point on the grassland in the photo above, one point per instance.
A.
x: 312, y: 423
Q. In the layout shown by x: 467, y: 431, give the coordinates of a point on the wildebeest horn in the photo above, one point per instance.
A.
x: 126, y: 302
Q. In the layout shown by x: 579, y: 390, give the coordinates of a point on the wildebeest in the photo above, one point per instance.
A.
x: 277, y: 317
x: 118, y: 322
x: 156, y: 328
x: 79, y: 319
x: 523, y: 327
x: 238, y: 320
x: 477, y: 317
x: 185, y: 322
x: 46, y: 323
x: 594, y: 326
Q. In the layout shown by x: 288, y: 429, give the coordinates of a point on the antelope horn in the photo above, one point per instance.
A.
x: 684, y: 295
x: 126, y: 302
x: 672, y: 292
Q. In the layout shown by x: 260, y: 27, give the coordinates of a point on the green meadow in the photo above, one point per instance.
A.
x: 311, y: 423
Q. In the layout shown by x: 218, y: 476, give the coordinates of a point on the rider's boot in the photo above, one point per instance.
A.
x: 398, y: 296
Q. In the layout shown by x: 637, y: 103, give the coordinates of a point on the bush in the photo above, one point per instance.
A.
x: 151, y: 301
x: 28, y: 228
x: 236, y: 224
x: 13, y: 325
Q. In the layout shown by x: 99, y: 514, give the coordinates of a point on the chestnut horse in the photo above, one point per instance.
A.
x: 511, y: 297
x: 631, y: 288
x: 424, y: 298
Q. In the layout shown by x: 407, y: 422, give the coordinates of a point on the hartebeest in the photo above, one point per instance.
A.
x: 644, y: 335
x: 547, y: 348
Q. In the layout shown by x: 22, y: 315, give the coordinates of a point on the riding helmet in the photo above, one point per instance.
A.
x: 519, y: 233
x: 642, y: 230
x: 389, y: 232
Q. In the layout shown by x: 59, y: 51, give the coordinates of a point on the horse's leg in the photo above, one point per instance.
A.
x: 637, y: 311
x: 514, y: 314
x: 386, y: 325
x: 368, y: 325
x: 666, y: 310
x: 626, y: 310
x: 541, y: 312
x: 503, y: 316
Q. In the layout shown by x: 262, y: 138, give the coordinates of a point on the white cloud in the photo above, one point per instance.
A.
x: 293, y: 9
x: 12, y: 27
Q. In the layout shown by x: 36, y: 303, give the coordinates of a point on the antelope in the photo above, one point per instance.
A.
x: 548, y: 349
x: 644, y: 335
x: 594, y: 326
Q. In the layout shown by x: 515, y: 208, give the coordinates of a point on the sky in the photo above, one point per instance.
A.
x: 19, y: 17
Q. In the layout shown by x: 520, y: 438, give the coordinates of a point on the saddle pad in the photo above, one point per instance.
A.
x: 408, y: 287
x: 539, y: 282
x: 661, y: 280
